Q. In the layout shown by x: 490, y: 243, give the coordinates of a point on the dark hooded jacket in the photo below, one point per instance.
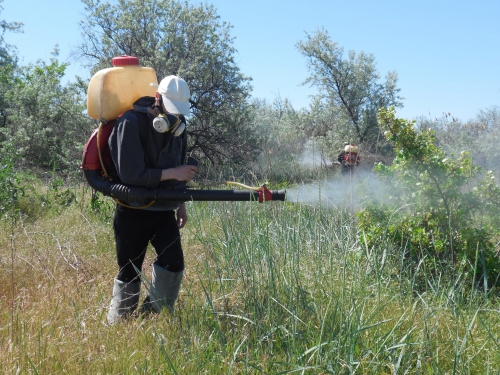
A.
x: 140, y: 153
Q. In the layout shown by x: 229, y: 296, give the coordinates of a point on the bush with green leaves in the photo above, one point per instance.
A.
x: 442, y: 212
x: 44, y: 122
x: 10, y: 186
x: 479, y: 136
x: 282, y: 143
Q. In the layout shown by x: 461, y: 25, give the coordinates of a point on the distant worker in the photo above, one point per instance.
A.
x: 348, y: 157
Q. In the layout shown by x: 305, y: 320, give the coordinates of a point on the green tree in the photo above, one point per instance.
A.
x: 279, y: 126
x: 329, y: 126
x: 350, y: 85
x: 478, y: 136
x: 444, y: 210
x: 175, y: 37
x: 8, y: 61
x: 44, y: 121
x: 7, y: 56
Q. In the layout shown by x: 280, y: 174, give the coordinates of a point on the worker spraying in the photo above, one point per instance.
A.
x: 138, y: 157
x: 348, y: 158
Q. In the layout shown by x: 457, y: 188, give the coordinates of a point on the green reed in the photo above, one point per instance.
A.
x: 270, y: 288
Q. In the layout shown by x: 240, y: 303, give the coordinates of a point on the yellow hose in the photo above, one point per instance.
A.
x: 228, y: 183
x: 241, y: 185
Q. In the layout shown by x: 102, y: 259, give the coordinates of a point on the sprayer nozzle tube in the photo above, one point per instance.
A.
x: 219, y: 195
x: 278, y: 195
x: 137, y: 194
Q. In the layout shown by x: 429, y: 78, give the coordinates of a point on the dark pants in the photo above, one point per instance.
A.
x: 134, y: 229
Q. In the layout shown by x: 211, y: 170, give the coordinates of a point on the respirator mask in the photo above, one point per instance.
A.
x: 164, y: 123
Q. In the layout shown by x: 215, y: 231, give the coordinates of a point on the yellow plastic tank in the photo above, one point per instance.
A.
x: 114, y: 90
x: 351, y: 149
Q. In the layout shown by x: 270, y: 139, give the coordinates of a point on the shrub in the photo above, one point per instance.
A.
x: 444, y: 210
x: 10, y: 185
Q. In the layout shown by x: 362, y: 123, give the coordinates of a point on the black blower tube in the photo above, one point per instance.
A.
x: 138, y: 194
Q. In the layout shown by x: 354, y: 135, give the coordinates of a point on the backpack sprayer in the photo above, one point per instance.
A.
x: 136, y: 194
x: 139, y: 194
x: 113, y: 91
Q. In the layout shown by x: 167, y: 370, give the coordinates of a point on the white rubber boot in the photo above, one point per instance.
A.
x: 124, y: 301
x: 165, y: 288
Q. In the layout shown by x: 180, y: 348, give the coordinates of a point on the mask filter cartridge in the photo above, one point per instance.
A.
x: 162, y: 125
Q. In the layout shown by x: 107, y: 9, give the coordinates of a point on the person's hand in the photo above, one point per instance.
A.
x: 180, y: 173
x: 185, y: 172
x: 181, y: 216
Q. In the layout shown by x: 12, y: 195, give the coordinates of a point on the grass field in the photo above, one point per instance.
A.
x: 273, y: 288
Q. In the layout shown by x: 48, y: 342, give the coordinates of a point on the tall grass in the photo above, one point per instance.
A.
x: 270, y: 288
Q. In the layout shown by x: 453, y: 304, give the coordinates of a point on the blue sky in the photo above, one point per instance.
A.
x: 446, y: 53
